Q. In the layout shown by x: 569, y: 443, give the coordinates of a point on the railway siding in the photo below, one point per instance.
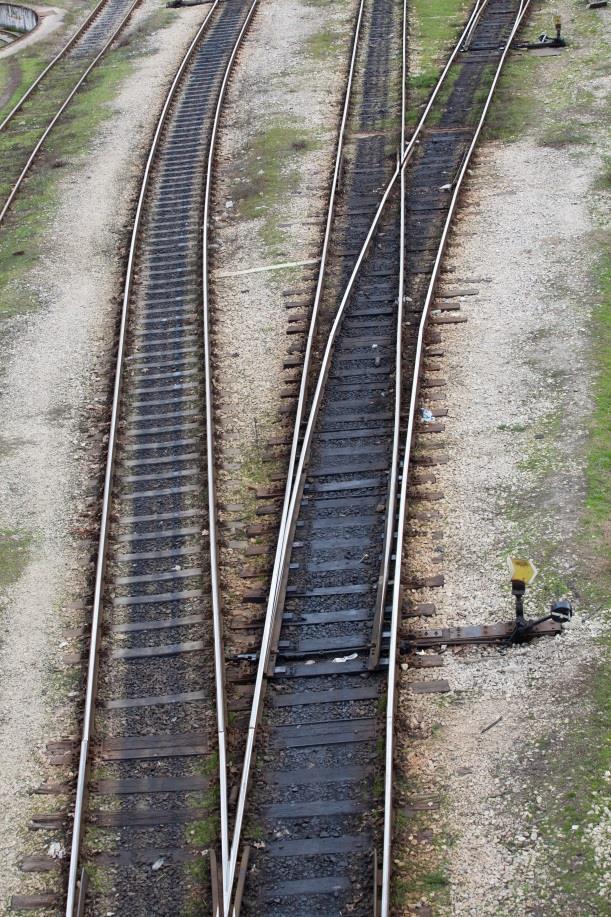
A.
x: 25, y: 128
x: 148, y: 806
x: 329, y: 828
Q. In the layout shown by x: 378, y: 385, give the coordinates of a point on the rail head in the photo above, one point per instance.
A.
x: 219, y: 656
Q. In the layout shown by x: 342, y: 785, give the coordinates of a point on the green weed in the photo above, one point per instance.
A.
x: 15, y: 552
x: 432, y: 28
x: 323, y: 44
x: 271, y: 170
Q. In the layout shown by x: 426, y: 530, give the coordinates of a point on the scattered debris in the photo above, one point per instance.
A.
x: 346, y: 658
x: 490, y: 725
x: 56, y: 850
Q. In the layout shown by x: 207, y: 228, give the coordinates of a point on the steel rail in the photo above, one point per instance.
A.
x: 219, y: 658
x: 301, y: 401
x: 396, y: 593
x: 290, y: 512
x: 89, y: 711
x: 62, y: 53
x: 281, y: 555
x: 476, y: 19
x: 62, y: 109
x: 378, y: 618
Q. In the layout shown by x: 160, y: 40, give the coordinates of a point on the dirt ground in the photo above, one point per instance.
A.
x: 55, y: 378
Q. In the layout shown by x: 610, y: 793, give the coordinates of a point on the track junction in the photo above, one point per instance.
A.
x: 311, y: 828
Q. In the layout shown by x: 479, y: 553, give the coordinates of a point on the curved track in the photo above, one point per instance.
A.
x: 26, y: 127
x: 153, y: 737
x: 319, y: 804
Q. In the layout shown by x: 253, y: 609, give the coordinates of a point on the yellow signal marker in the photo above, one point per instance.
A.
x: 522, y: 569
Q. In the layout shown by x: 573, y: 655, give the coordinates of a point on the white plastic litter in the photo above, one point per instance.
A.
x: 346, y: 658
x: 56, y: 850
x: 426, y: 415
x: 158, y: 864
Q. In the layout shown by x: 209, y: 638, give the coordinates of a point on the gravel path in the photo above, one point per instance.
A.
x: 257, y: 221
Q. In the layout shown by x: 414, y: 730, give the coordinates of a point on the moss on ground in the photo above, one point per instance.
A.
x: 23, y: 234
x: 15, y: 552
x: 432, y: 27
x: 271, y: 169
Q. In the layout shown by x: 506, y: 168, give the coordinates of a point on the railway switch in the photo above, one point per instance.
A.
x: 523, y: 573
x: 561, y: 612
x: 545, y: 41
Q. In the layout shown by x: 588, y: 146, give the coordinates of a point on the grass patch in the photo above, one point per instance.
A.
x: 514, y: 99
x: 29, y: 68
x: 542, y: 458
x: 15, y: 551
x: 432, y: 28
x: 435, y: 880
x: 568, y: 112
x: 91, y: 108
x: 204, y: 833
x: 573, y: 817
x: 24, y: 231
x: 271, y: 167
x: 32, y: 59
x: 323, y: 44
x: 599, y: 457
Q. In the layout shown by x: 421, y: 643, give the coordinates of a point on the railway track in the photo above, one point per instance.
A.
x: 151, y: 789
x: 27, y: 125
x: 317, y: 802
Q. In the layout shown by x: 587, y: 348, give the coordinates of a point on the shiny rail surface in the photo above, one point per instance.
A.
x: 154, y: 720
x: 311, y: 795
x: 44, y: 103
